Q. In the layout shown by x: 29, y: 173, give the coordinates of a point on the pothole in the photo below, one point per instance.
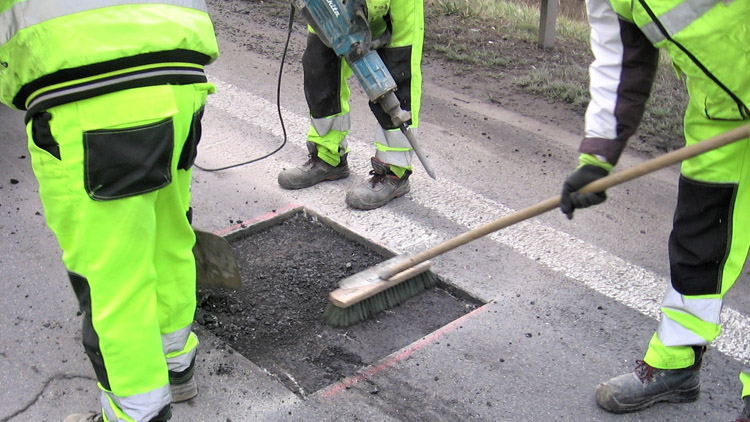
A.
x: 289, y: 265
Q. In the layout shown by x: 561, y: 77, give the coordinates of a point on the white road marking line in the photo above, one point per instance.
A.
x: 595, y: 268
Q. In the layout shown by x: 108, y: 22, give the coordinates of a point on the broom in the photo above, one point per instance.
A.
x: 391, y: 282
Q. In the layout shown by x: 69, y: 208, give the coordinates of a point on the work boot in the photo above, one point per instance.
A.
x: 84, y: 417
x: 165, y: 414
x: 182, y: 384
x: 313, y: 171
x: 184, y: 391
x: 646, y: 386
x: 380, y: 189
x: 745, y: 416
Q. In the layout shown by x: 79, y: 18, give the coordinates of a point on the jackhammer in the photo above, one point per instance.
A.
x: 342, y: 25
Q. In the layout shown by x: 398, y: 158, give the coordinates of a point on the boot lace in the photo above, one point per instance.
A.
x: 644, y: 371
x: 311, y: 160
x: 377, y: 177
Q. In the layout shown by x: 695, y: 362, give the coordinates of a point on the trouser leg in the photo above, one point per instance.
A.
x: 175, y: 291
x: 105, y: 195
x: 403, y: 58
x: 327, y: 95
x: 708, y: 245
x: 745, y: 380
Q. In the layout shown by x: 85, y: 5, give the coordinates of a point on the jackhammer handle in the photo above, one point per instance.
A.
x: 599, y: 185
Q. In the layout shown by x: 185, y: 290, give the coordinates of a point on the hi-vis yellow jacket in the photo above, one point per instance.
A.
x: 708, y: 42
x: 53, y: 52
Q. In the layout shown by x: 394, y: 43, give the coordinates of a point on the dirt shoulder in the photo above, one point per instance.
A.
x: 500, y: 86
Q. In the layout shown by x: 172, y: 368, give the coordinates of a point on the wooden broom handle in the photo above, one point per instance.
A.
x: 598, y: 185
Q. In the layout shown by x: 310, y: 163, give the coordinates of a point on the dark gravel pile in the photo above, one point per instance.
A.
x: 287, y: 273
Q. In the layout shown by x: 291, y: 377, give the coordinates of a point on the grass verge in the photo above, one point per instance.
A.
x: 497, y: 38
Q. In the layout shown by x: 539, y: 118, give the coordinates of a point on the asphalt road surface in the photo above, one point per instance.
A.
x: 569, y: 303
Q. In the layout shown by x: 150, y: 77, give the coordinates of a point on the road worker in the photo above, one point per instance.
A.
x: 399, y: 26
x: 708, y: 43
x: 114, y: 92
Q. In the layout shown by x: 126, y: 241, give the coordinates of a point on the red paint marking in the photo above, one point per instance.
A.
x: 398, y: 357
x: 263, y: 217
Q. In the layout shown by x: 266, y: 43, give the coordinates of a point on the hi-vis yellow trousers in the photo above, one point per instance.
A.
x: 708, y: 245
x: 114, y: 179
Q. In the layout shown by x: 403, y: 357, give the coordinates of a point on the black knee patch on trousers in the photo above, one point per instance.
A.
x: 398, y: 62
x: 90, y: 338
x: 322, y: 78
x: 701, y: 232
x: 190, y: 148
x: 41, y: 134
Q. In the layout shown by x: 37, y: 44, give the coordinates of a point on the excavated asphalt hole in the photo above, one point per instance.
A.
x: 289, y: 264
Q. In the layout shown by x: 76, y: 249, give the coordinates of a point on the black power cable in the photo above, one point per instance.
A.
x: 278, y: 107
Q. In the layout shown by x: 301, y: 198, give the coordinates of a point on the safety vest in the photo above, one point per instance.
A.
x: 54, y: 52
x: 708, y: 42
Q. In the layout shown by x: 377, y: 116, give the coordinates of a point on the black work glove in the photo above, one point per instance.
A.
x: 570, y: 199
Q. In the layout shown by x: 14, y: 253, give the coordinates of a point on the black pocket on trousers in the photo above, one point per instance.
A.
x: 41, y: 134
x: 126, y: 162
x: 190, y: 149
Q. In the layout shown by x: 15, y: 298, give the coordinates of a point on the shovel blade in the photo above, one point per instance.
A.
x: 215, y: 263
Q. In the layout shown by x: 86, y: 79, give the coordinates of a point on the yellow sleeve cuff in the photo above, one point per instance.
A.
x: 584, y: 159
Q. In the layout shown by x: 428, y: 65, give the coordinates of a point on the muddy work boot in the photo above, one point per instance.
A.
x: 184, y: 391
x: 380, y: 189
x: 84, y: 417
x: 313, y: 171
x: 646, y: 386
x: 165, y: 414
x: 745, y: 416
x: 182, y: 385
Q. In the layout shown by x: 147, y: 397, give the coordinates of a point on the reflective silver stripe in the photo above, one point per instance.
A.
x: 323, y: 125
x: 108, y: 82
x: 672, y: 333
x: 394, y: 139
x: 181, y: 362
x: 708, y: 310
x: 139, y: 407
x: 677, y: 19
x: 605, y: 72
x: 176, y: 342
x: 32, y: 12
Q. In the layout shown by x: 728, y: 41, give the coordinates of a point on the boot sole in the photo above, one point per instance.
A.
x: 609, y: 403
x: 184, y: 392
x: 290, y: 185
x: 362, y: 206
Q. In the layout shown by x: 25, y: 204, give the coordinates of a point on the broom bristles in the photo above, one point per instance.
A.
x: 344, y: 317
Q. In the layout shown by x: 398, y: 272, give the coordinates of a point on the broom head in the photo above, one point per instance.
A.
x: 366, y: 293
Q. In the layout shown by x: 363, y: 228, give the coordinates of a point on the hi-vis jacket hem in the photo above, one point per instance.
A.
x: 177, y: 67
x: 25, y: 14
x: 119, y: 44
